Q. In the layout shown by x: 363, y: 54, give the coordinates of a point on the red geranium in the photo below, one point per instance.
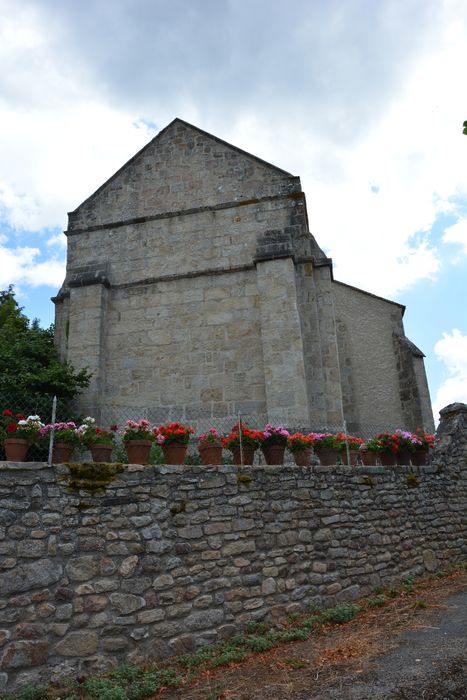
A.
x: 249, y: 437
x: 173, y: 433
x: 298, y: 442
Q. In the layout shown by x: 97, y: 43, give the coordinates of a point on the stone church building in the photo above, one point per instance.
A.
x: 194, y: 289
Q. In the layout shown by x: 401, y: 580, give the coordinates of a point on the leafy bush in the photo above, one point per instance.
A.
x: 257, y: 627
x: 259, y: 644
x: 129, y: 683
x: 377, y: 600
x: 104, y: 689
x: 33, y: 692
x: 343, y: 612
x: 230, y: 654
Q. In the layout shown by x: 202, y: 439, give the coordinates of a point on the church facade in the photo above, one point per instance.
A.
x: 195, y: 289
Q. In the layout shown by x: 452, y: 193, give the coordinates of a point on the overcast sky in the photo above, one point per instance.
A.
x: 364, y: 100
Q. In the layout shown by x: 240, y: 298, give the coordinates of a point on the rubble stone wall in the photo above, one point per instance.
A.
x: 166, y: 559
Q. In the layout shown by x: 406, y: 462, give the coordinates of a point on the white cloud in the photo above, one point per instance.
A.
x: 20, y: 266
x: 59, y: 240
x: 457, y: 233
x: 452, y: 351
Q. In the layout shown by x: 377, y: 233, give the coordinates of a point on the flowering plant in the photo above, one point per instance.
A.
x: 385, y: 442
x: 427, y: 440
x: 250, y: 438
x: 352, y: 441
x: 326, y: 440
x: 210, y: 437
x: 172, y: 433
x: 407, y: 441
x: 274, y: 435
x: 91, y: 434
x: 372, y: 445
x: 63, y: 432
x: 15, y: 425
x: 137, y: 431
x: 298, y: 442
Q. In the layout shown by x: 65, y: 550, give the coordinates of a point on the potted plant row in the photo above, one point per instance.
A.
x: 400, y: 447
x: 18, y: 432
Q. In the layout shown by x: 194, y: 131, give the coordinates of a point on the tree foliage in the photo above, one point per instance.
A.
x: 29, y: 361
x: 465, y: 128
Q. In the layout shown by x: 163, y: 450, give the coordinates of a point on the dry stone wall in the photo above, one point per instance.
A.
x: 165, y: 559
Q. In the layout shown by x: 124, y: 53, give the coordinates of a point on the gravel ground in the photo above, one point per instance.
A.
x: 429, y: 663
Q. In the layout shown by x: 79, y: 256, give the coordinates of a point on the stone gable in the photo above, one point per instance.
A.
x: 182, y: 168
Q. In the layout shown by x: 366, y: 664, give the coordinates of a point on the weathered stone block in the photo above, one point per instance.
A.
x: 79, y: 643
x: 127, y: 603
x: 82, y: 568
x: 25, y: 653
x: 25, y: 577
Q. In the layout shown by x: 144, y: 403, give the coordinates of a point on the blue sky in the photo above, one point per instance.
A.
x: 365, y: 101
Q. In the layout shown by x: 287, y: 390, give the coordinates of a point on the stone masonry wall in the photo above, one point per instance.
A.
x: 370, y: 360
x: 166, y: 559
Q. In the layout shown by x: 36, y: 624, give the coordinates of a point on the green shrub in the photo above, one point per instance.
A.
x: 377, y: 600
x: 196, y: 659
x: 104, y: 689
x: 257, y: 627
x: 259, y: 644
x: 311, y: 621
x: 343, y: 612
x: 229, y: 655
x: 33, y: 692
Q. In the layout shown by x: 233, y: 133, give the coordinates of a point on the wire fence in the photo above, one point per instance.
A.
x: 200, y: 419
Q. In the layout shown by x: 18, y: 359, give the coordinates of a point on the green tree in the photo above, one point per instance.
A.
x: 29, y: 361
x: 465, y: 128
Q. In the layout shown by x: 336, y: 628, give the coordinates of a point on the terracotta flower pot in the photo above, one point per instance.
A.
x: 328, y: 456
x: 302, y: 457
x: 248, y: 454
x: 62, y: 452
x: 387, y: 459
x: 138, y: 451
x: 403, y: 457
x: 174, y: 453
x: 210, y: 452
x: 273, y: 454
x: 353, y: 457
x: 101, y: 452
x: 16, y: 449
x: 419, y: 458
x: 368, y: 457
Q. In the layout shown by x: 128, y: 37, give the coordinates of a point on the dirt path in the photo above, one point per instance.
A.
x: 414, y: 646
